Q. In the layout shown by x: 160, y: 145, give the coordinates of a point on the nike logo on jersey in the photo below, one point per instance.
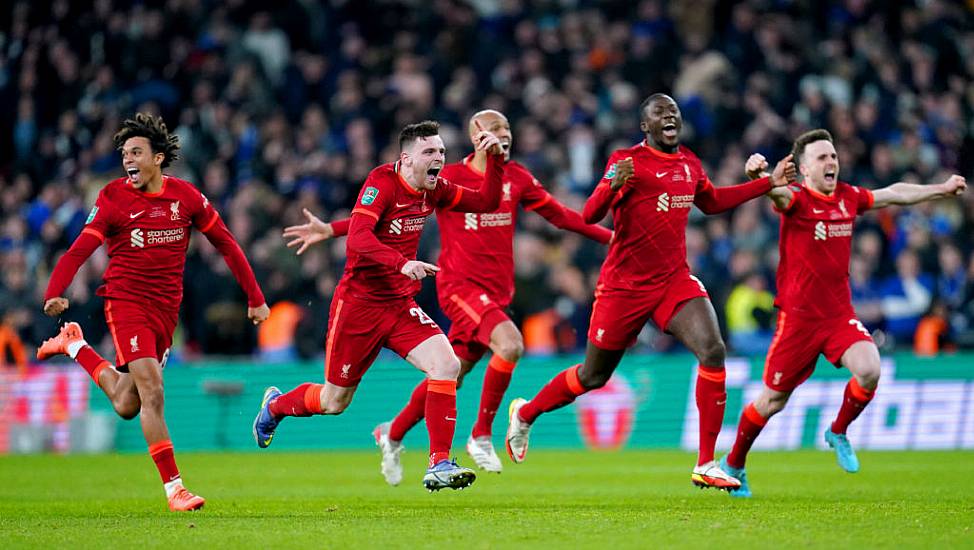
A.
x: 136, y: 215
x: 403, y: 205
x: 661, y: 174
x: 817, y: 211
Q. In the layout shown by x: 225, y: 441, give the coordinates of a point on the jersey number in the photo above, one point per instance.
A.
x: 856, y: 323
x: 424, y: 319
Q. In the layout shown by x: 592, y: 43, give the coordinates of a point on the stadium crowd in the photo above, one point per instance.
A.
x: 290, y: 109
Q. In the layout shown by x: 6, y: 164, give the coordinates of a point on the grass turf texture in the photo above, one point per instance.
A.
x: 556, y: 499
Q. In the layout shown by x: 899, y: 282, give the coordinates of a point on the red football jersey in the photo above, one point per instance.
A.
x: 479, y: 248
x: 400, y: 213
x: 147, y: 236
x: 649, y: 215
x: 814, y: 248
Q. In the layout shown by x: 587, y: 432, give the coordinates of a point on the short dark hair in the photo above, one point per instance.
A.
x: 798, y: 149
x: 153, y: 129
x: 646, y: 102
x: 412, y: 132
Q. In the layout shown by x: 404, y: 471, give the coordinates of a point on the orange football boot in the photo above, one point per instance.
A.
x: 58, y: 345
x: 184, y: 501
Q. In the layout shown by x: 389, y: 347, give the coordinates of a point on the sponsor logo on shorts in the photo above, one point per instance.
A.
x: 599, y: 334
x: 345, y: 368
x: 776, y: 379
x: 134, y: 342
x: 369, y: 196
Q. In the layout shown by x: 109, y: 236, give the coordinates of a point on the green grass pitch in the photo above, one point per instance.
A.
x: 632, y: 499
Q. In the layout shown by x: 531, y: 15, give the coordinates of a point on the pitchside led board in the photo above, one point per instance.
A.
x: 921, y: 404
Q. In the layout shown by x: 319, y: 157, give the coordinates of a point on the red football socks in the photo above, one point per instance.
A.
x: 441, y: 417
x: 304, y: 400
x: 560, y: 391
x: 496, y: 380
x: 93, y: 363
x: 854, y: 401
x: 411, y: 414
x: 747, y: 431
x: 711, y: 401
x: 162, y: 455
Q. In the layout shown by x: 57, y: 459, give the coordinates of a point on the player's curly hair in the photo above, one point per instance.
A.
x: 153, y: 129
x: 412, y: 132
x: 798, y: 148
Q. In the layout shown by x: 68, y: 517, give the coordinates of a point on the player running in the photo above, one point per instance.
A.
x: 373, y: 305
x: 650, y: 188
x: 474, y: 288
x: 145, y: 219
x: 816, y: 314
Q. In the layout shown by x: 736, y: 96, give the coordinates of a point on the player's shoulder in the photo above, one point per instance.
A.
x: 688, y: 154
x: 115, y: 190
x: 516, y: 171
x: 453, y: 171
x: 631, y: 151
x: 180, y: 186
x: 846, y: 188
x: 382, y: 175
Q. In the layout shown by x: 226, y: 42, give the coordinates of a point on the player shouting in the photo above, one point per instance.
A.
x: 816, y: 314
x: 650, y: 188
x: 145, y: 220
x: 475, y: 287
x: 373, y: 305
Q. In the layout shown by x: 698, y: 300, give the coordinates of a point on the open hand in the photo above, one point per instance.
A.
x: 309, y: 233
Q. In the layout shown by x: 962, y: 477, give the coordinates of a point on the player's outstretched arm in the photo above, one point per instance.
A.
x: 911, y: 193
x: 757, y: 167
x: 66, y: 268
x: 223, y: 241
x: 314, y: 231
x: 563, y: 217
x: 714, y: 200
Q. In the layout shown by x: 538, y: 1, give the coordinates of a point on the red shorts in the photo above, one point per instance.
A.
x: 799, y: 341
x: 619, y: 315
x: 473, y: 316
x: 358, y: 330
x: 139, y: 330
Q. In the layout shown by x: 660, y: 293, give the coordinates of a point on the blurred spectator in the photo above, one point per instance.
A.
x: 906, y: 296
x: 750, y: 312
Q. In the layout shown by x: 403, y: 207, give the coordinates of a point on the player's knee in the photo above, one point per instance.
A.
x: 127, y: 410
x: 152, y: 398
x: 446, y: 368
x: 334, y: 408
x: 593, y: 380
x: 511, y: 349
x: 868, y: 376
x: 713, y: 353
